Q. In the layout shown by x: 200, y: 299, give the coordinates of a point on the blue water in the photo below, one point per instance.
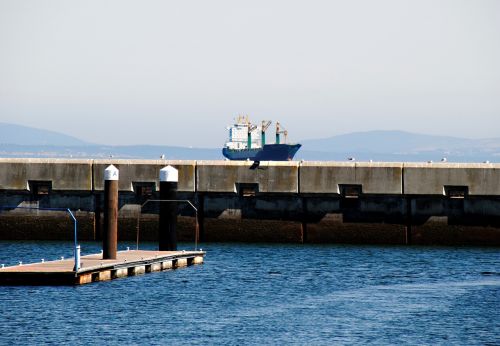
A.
x: 267, y: 294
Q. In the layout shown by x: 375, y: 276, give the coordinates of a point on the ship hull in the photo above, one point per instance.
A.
x: 270, y: 152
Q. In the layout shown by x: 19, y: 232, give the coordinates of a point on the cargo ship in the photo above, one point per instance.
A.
x: 248, y: 142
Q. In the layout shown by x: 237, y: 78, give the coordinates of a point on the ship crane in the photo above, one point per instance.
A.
x: 280, y: 131
x: 264, y: 126
x: 251, y: 128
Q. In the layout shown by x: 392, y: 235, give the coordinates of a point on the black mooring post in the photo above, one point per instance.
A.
x: 167, y: 236
x: 408, y: 222
x: 201, y: 216
x: 110, y: 236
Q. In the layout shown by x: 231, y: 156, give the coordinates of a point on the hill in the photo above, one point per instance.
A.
x: 24, y: 135
x: 402, y: 146
x: 22, y: 141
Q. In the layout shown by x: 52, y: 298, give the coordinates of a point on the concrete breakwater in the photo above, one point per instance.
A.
x: 312, y: 202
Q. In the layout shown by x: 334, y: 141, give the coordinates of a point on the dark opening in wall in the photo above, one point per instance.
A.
x: 350, y: 196
x: 144, y: 190
x: 350, y: 191
x: 458, y: 192
x: 40, y: 188
x: 247, y: 189
x: 455, y: 202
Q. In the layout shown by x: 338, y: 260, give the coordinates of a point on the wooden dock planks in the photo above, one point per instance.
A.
x: 94, y: 268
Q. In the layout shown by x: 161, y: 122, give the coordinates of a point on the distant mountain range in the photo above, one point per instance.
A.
x: 24, y: 135
x: 403, y: 146
x: 23, y: 141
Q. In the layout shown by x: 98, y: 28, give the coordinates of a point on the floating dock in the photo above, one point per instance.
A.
x: 94, y: 268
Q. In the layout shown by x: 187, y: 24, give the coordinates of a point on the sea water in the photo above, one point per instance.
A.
x: 266, y: 294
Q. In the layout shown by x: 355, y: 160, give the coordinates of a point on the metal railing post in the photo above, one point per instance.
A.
x: 76, y: 246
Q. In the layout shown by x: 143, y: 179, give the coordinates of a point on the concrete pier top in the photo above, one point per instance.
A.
x: 145, y: 171
x: 293, y: 177
x: 268, y: 177
x: 431, y: 178
x: 74, y: 175
x: 374, y: 178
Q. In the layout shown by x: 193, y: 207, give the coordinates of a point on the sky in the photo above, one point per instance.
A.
x: 164, y: 72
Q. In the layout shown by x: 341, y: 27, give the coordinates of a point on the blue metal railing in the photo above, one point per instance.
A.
x: 77, y: 247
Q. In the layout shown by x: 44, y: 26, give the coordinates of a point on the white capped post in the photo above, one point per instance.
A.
x: 169, y: 174
x: 110, y: 236
x: 111, y: 173
x: 167, y: 236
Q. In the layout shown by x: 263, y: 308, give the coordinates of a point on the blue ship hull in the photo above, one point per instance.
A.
x: 270, y: 152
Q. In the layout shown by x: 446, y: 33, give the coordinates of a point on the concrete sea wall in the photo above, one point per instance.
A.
x: 311, y: 202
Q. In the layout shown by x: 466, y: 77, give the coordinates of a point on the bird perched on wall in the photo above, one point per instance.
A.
x: 255, y: 165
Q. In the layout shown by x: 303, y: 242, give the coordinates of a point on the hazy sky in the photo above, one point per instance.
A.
x: 178, y: 72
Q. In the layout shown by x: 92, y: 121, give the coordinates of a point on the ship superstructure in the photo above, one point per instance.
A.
x: 247, y: 141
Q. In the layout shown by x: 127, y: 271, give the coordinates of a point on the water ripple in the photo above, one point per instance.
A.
x: 267, y: 294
